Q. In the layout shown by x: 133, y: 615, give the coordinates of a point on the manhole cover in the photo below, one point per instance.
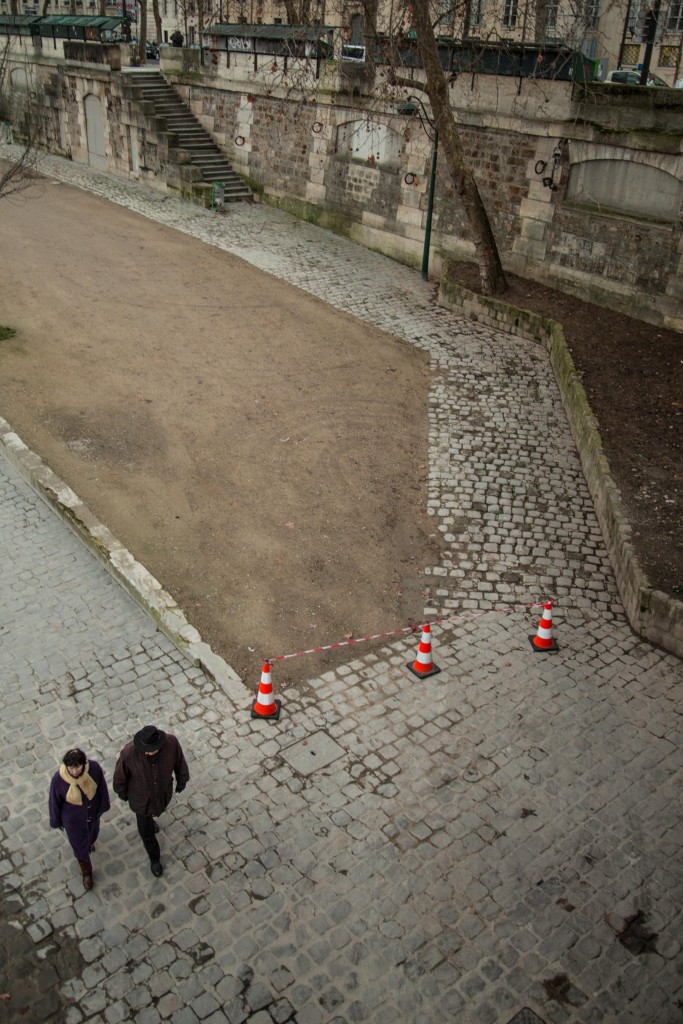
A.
x: 316, y: 751
x: 526, y: 1016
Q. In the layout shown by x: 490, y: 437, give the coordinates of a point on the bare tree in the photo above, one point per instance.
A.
x: 186, y: 9
x: 142, y: 32
x: 436, y: 86
x: 403, y: 55
x: 19, y: 126
x: 157, y: 18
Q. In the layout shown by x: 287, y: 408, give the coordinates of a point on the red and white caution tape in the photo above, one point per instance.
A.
x: 406, y: 629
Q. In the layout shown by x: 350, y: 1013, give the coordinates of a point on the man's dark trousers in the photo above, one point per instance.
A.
x: 148, y: 836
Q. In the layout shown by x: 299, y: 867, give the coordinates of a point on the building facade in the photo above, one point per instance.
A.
x: 610, y: 33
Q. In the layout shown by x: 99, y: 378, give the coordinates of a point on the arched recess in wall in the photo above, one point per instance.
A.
x: 18, y: 79
x: 94, y: 130
x: 624, y: 186
x: 368, y: 141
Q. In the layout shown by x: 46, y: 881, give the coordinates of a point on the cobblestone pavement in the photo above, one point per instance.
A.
x: 505, y: 834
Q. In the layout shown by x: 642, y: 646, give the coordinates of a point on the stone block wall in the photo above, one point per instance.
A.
x: 632, y: 264
x: 510, y: 130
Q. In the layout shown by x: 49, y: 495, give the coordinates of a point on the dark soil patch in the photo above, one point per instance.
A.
x: 633, y: 375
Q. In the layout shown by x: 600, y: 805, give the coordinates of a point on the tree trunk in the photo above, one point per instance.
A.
x: 490, y: 268
x: 142, y: 33
x: 157, y: 19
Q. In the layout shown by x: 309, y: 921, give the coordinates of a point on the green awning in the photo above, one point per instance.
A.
x: 81, y: 20
x: 19, y: 24
x: 279, y: 33
x: 77, y: 26
x: 19, y: 19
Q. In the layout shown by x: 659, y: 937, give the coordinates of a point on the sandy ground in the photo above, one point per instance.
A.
x: 262, y: 454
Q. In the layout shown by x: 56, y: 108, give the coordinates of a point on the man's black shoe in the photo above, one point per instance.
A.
x: 157, y: 869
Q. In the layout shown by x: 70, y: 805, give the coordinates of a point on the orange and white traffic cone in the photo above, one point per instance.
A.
x: 265, y: 705
x: 423, y: 665
x: 543, y: 641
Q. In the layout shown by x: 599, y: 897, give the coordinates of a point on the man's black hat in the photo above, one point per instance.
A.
x: 149, y: 739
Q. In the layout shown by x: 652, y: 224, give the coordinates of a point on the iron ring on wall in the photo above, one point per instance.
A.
x: 318, y: 127
x: 239, y: 140
x: 409, y: 178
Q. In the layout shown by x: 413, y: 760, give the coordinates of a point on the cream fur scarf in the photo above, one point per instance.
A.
x: 83, y: 782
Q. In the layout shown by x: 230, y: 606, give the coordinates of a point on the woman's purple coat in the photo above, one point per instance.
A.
x: 81, y: 822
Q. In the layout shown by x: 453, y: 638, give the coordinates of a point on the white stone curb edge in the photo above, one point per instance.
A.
x: 145, y: 590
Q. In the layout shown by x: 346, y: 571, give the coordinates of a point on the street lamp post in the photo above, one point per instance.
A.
x: 409, y: 108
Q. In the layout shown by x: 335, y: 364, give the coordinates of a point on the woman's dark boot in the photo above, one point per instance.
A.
x: 86, y: 871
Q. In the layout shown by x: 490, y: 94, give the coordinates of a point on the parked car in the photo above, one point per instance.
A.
x: 622, y: 77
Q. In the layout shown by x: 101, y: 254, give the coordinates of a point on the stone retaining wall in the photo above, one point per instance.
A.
x: 652, y: 614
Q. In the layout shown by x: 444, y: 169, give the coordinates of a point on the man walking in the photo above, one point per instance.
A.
x: 144, y: 777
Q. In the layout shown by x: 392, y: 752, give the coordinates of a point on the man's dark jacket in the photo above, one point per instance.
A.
x: 147, y: 782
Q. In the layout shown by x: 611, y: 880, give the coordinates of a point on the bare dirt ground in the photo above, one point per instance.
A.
x: 633, y: 376
x: 263, y: 455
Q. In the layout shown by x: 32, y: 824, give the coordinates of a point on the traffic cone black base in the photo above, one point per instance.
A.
x: 272, y: 716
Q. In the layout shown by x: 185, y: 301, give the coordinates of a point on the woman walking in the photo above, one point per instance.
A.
x: 78, y: 797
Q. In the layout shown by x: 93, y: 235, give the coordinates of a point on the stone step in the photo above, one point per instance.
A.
x: 192, y: 137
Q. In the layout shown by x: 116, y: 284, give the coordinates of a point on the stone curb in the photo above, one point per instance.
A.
x: 652, y: 614
x: 145, y: 590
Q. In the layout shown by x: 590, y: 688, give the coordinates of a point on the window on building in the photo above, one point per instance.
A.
x: 675, y: 17
x: 674, y: 23
x: 551, y: 19
x: 510, y: 13
x: 476, y: 12
x: 631, y: 55
x: 668, y: 56
x: 592, y: 13
x: 634, y: 14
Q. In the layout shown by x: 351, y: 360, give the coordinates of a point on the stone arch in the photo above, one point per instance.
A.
x: 94, y: 130
x: 19, y: 79
x: 626, y: 186
x: 370, y: 141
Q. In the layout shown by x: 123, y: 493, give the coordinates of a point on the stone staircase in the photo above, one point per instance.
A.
x: 205, y: 155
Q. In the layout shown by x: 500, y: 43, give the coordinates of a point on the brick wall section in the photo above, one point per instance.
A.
x: 630, y: 251
x: 281, y: 139
x: 631, y: 265
x: 499, y: 160
x: 651, y: 613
